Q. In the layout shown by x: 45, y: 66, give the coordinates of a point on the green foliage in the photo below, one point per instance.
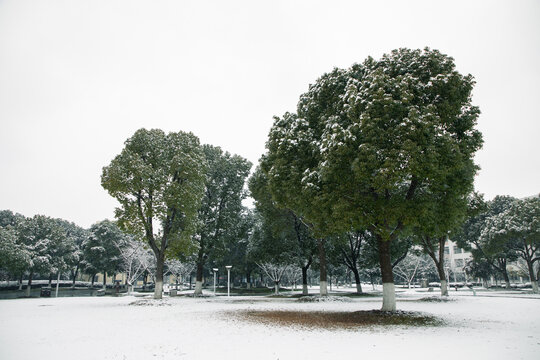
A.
x: 220, y: 214
x: 516, y: 228
x: 159, y: 180
x: 13, y: 257
x: 282, y: 225
x: 480, y: 230
x: 44, y: 242
x: 381, y: 145
x: 101, y: 249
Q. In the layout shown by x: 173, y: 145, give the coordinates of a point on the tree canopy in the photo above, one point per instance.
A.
x: 158, y: 179
x: 377, y: 146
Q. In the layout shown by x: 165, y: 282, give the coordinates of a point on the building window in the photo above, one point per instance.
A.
x: 446, y: 250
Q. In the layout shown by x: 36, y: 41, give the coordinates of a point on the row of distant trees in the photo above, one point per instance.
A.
x: 48, y: 247
x: 501, y: 232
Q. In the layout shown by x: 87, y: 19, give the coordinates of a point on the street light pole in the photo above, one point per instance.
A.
x: 228, y: 280
x: 215, y: 272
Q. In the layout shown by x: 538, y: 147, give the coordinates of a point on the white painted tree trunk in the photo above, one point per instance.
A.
x: 359, y: 288
x: 276, y: 289
x: 534, y: 286
x: 57, y: 284
x: 198, y: 288
x: 158, y: 292
x: 444, y: 288
x: 389, y: 297
x: 304, y: 289
x: 323, y: 288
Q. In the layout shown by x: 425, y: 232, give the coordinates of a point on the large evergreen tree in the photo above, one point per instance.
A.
x: 221, y: 208
x: 374, y: 146
x: 159, y: 181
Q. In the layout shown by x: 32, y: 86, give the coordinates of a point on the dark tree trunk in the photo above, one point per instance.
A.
x: 74, y: 274
x: 248, y: 279
x: 104, y: 280
x: 322, y: 265
x: 532, y: 276
x: 357, y: 280
x: 50, y: 279
x: 504, y: 272
x: 158, y: 289
x: 304, y: 280
x: 385, y: 261
x: 199, y: 275
x: 438, y: 259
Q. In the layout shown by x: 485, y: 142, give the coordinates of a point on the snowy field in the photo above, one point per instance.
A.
x: 480, y: 327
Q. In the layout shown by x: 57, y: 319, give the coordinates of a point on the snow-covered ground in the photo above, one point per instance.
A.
x: 479, y: 327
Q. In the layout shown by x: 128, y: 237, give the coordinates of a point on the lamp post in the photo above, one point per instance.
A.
x: 215, y: 272
x: 228, y: 280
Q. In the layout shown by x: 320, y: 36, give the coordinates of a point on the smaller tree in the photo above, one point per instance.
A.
x: 348, y: 246
x: 518, y: 229
x: 40, y: 238
x: 13, y: 256
x: 275, y: 272
x: 135, y: 259
x: 492, y: 251
x: 101, y: 250
x: 179, y: 269
x: 414, y: 264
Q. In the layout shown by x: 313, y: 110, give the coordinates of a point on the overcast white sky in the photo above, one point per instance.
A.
x: 77, y: 78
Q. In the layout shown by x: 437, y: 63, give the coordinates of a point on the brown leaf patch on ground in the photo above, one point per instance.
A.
x: 346, y: 320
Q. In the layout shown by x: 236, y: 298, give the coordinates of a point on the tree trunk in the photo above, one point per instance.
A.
x: 199, y: 277
x: 276, y: 287
x: 534, y: 282
x: 248, y: 280
x: 442, y: 278
x: 385, y: 261
x: 104, y: 280
x: 322, y: 265
x: 75, y: 276
x: 20, y: 282
x: 506, y: 279
x: 304, y: 281
x: 357, y: 281
x: 50, y: 279
x: 29, y: 285
x: 158, y: 290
